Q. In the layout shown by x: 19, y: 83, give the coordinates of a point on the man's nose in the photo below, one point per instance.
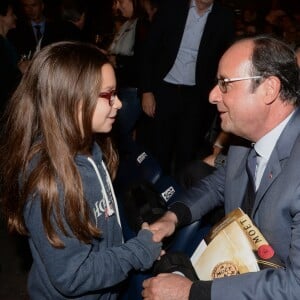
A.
x: 215, y: 95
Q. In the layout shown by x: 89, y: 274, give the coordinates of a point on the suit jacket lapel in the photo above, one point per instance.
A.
x: 272, y: 170
x: 236, y: 177
x: 209, y: 26
x: 179, y: 18
x: 278, y: 157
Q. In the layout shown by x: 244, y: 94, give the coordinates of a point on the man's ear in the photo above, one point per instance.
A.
x: 272, y: 86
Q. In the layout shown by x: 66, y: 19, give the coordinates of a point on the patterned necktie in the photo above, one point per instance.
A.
x: 38, y: 33
x: 260, y: 168
x: 251, y: 165
x: 249, y: 198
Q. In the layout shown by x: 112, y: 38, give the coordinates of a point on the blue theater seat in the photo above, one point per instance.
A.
x: 168, y: 188
x: 186, y: 239
x: 137, y: 166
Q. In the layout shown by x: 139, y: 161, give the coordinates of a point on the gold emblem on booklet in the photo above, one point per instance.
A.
x: 224, y: 269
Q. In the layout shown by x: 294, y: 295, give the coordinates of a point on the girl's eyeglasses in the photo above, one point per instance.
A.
x: 110, y: 96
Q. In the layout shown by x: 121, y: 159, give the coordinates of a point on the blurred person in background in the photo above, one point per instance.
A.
x: 73, y: 15
x: 33, y: 30
x: 184, y: 44
x: 11, y: 67
x: 125, y: 54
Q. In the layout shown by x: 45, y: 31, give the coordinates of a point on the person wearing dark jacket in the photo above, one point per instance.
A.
x: 10, y: 73
x: 33, y: 30
x: 257, y: 96
x: 182, y: 50
x: 125, y: 52
x: 73, y: 14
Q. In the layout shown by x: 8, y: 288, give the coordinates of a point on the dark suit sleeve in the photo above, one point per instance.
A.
x: 182, y: 213
x: 201, y: 290
x: 152, y: 46
x: 201, y: 198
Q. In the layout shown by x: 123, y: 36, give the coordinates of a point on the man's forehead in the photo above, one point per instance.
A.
x: 237, y: 56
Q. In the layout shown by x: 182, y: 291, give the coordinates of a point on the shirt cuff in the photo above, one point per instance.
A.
x: 182, y: 212
x: 200, y: 290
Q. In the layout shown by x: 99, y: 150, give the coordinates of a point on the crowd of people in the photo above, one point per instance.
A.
x: 168, y: 73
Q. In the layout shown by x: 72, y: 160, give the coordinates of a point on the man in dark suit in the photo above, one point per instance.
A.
x: 181, y: 56
x: 33, y: 31
x: 257, y: 96
x: 73, y: 14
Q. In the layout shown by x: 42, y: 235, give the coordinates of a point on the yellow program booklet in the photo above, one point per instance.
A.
x: 233, y: 246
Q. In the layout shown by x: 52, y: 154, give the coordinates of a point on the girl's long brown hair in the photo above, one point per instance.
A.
x: 42, y: 129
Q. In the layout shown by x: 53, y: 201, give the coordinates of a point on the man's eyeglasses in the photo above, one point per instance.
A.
x: 223, y: 82
x: 110, y: 96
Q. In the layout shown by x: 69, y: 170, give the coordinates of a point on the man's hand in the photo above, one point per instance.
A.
x: 145, y: 225
x: 167, y: 286
x: 148, y: 104
x: 164, y: 227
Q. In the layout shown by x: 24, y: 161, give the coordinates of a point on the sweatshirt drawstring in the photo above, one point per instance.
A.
x: 110, y: 211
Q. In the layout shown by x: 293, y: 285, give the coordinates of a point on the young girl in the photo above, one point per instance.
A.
x: 56, y: 187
